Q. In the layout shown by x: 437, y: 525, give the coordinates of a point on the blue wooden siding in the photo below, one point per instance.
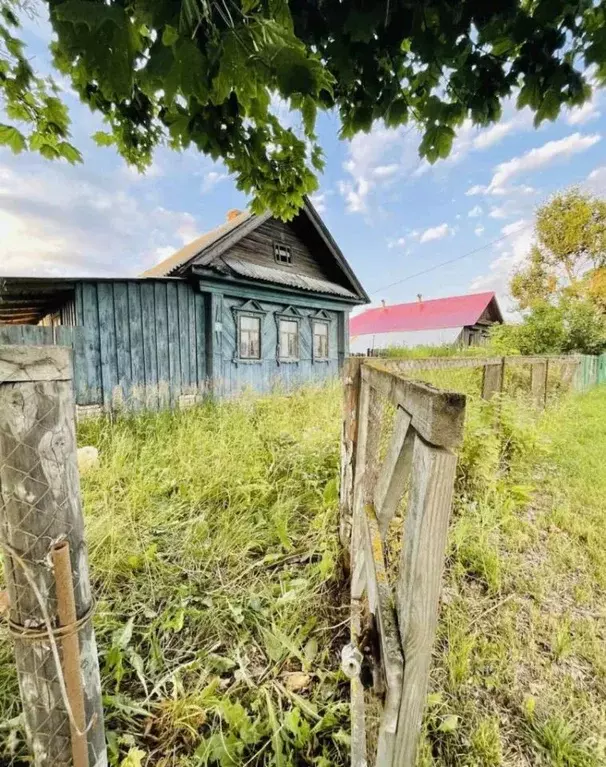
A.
x: 233, y: 375
x: 141, y: 349
x: 144, y: 343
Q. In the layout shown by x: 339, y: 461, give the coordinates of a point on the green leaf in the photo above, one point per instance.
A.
x: 69, y: 152
x: 12, y: 138
x: 170, y: 35
x: 103, y: 139
x: 90, y: 13
x: 449, y: 723
x: 122, y: 637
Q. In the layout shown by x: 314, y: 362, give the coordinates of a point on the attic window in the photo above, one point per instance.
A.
x: 282, y: 253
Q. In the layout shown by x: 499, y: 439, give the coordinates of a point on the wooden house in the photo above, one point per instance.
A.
x: 254, y: 304
x: 461, y: 320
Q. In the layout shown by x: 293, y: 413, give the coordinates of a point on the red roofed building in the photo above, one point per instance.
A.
x: 456, y: 320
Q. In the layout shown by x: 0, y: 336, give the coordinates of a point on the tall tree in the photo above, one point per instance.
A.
x: 203, y: 72
x: 569, y: 254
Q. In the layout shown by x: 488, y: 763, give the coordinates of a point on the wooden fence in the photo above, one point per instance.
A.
x: 398, y: 441
x: 397, y: 432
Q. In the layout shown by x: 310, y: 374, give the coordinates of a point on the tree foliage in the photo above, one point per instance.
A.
x: 562, y: 285
x: 569, y: 254
x: 38, y: 118
x: 573, y: 325
x: 203, y: 73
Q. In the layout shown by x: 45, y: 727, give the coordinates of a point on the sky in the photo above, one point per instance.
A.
x: 396, y: 218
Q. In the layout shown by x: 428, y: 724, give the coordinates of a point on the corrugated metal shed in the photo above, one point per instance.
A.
x: 241, y: 268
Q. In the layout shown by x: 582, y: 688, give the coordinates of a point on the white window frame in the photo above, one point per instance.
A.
x: 326, y: 323
x: 280, y: 318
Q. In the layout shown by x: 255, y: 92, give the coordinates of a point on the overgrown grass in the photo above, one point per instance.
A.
x: 519, y: 674
x: 213, y: 548
x: 214, y: 556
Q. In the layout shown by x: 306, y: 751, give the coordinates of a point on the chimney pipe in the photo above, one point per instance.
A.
x: 420, y: 298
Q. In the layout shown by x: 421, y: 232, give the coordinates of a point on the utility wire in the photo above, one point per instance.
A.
x: 450, y: 260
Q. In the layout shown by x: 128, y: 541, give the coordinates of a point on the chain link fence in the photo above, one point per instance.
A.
x: 48, y: 598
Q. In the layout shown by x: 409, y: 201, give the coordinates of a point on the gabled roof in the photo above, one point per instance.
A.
x: 211, y: 250
x: 456, y: 311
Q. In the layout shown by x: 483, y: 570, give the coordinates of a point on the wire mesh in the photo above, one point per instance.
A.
x: 39, y: 509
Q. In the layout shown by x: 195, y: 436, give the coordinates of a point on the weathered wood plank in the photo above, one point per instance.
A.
x: 382, y: 606
x: 137, y: 353
x: 438, y: 416
x: 358, y: 580
x: 174, y: 342
x: 538, y: 383
x: 161, y: 313
x: 419, y: 582
x: 183, y: 290
x: 492, y: 380
x: 35, y: 363
x: 123, y: 345
x: 92, y: 345
x: 394, y: 472
x: 359, y: 757
x: 40, y: 505
x: 107, y: 342
x: 349, y: 434
x: 200, y: 309
x: 150, y: 359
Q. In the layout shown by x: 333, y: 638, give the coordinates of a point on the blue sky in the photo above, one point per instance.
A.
x: 392, y: 214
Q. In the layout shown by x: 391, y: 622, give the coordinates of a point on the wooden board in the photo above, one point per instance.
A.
x: 438, y: 416
x: 419, y: 583
x: 394, y: 471
x: 381, y: 604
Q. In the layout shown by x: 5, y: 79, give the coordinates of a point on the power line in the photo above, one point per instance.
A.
x: 450, y: 260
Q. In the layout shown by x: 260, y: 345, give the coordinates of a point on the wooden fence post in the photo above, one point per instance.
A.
x: 493, y: 379
x: 538, y: 382
x: 40, y: 509
x: 349, y: 439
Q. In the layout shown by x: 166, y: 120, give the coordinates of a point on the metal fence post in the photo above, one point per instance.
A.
x: 41, y: 516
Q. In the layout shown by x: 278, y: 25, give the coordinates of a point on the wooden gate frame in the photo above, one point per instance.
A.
x: 428, y: 423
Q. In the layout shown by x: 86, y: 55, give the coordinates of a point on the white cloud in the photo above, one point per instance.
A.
x: 596, y: 181
x: 479, y: 230
x: 400, y: 242
x: 435, y: 233
x: 471, y: 138
x: 475, y: 212
x: 384, y: 171
x: 499, y: 212
x: 60, y: 220
x: 511, y: 253
x: 586, y: 112
x: 539, y: 157
x: 474, y: 190
x: 514, y: 227
x: 375, y: 158
x: 211, y: 179
x: 318, y: 200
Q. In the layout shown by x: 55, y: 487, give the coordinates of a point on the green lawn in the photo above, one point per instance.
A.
x: 222, y: 610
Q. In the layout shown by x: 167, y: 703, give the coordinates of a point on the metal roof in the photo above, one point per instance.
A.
x: 193, y: 249
x: 280, y: 276
x: 456, y: 311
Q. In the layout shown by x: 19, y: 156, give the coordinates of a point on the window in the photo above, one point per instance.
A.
x: 320, y: 340
x: 282, y: 253
x: 289, y: 340
x: 249, y: 337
